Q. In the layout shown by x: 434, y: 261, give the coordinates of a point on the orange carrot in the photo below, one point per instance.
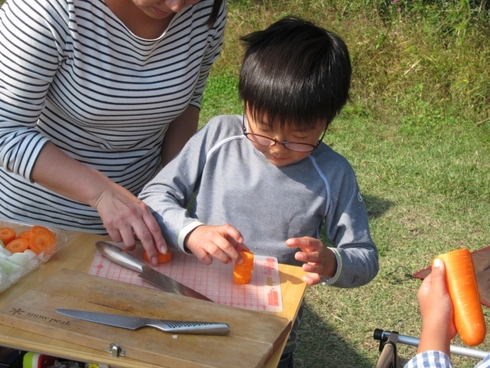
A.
x: 241, y: 278
x: 248, y: 257
x: 242, y: 273
x: 41, y: 229
x: 161, y: 258
x: 25, y: 234
x: 40, y: 239
x: 7, y: 234
x: 463, y: 290
x: 17, y: 245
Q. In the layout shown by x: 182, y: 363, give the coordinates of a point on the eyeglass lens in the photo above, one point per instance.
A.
x: 266, y: 141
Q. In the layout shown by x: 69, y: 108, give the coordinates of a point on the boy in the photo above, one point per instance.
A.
x: 266, y: 179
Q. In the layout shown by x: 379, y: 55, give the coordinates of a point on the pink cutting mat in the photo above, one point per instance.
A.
x: 215, y: 281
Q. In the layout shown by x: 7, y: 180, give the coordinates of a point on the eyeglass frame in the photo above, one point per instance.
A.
x: 274, y: 141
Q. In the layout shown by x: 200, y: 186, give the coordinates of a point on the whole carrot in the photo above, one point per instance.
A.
x: 463, y: 290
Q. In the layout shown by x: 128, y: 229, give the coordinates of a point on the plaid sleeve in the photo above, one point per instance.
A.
x: 430, y: 359
x: 485, y: 363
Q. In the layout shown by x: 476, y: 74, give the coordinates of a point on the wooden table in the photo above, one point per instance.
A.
x: 78, y: 256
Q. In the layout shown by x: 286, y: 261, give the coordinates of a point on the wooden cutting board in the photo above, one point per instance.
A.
x: 254, y: 335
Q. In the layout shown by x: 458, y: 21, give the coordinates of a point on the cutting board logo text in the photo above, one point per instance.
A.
x: 21, y: 312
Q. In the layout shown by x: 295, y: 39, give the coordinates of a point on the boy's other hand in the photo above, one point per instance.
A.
x: 221, y: 242
x: 318, y: 259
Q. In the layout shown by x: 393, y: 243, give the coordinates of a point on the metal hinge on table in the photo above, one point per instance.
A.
x: 116, y: 351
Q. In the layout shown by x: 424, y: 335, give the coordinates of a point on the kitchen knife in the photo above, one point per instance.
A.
x: 133, y: 323
x: 122, y: 258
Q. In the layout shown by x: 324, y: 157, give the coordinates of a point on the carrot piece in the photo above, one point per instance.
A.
x: 40, y: 229
x: 242, y: 273
x: 161, y: 258
x: 463, y: 289
x: 248, y: 257
x: 25, y: 234
x: 241, y: 278
x: 7, y: 234
x: 40, y: 239
x: 17, y: 245
x: 243, y: 268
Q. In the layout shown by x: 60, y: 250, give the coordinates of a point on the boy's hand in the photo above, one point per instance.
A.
x: 319, y: 260
x: 221, y: 242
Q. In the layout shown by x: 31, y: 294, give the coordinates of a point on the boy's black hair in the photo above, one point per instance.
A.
x: 295, y: 73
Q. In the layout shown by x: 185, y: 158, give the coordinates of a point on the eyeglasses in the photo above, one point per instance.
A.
x: 268, y: 142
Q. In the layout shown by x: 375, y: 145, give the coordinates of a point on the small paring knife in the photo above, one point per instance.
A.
x: 134, y: 323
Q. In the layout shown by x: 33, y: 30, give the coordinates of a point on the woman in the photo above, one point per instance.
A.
x: 95, y: 96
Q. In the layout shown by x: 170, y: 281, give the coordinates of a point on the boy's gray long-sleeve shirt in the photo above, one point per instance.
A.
x: 237, y: 185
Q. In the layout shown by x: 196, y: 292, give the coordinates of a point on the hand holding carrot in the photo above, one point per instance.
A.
x: 128, y: 219
x: 221, y: 242
x: 463, y: 289
x: 318, y: 259
x: 437, y: 312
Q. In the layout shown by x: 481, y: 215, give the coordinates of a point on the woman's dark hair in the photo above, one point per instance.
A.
x: 214, y: 12
x: 295, y: 73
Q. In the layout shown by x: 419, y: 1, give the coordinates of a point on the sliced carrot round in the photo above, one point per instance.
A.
x: 17, y: 245
x: 40, y: 229
x: 25, y: 234
x: 161, y: 258
x: 41, y: 240
x: 7, y: 234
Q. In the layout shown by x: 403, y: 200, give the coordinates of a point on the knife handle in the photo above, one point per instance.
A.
x: 119, y: 256
x: 190, y: 327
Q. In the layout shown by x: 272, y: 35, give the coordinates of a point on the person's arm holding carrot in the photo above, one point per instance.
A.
x: 437, y: 321
x: 438, y: 328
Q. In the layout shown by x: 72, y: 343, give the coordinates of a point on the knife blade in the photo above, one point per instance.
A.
x: 134, y: 323
x: 122, y: 258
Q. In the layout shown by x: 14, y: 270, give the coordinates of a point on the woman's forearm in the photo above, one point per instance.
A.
x: 124, y: 216
x: 64, y: 175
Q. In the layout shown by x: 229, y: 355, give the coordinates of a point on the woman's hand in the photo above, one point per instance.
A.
x: 318, y: 259
x: 221, y: 242
x: 128, y: 219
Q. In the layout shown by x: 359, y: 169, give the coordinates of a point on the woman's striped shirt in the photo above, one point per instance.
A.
x: 72, y: 73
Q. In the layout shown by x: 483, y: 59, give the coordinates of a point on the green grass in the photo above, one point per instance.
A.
x: 418, y: 135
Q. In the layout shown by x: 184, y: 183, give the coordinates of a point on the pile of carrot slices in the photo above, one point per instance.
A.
x: 37, y: 239
x: 242, y: 273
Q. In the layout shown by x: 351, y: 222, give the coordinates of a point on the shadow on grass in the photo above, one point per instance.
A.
x: 376, y: 206
x: 320, y: 346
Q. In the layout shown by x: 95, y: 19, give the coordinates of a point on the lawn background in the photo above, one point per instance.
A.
x: 417, y: 132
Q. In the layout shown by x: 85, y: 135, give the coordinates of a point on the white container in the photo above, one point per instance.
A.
x: 62, y: 238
